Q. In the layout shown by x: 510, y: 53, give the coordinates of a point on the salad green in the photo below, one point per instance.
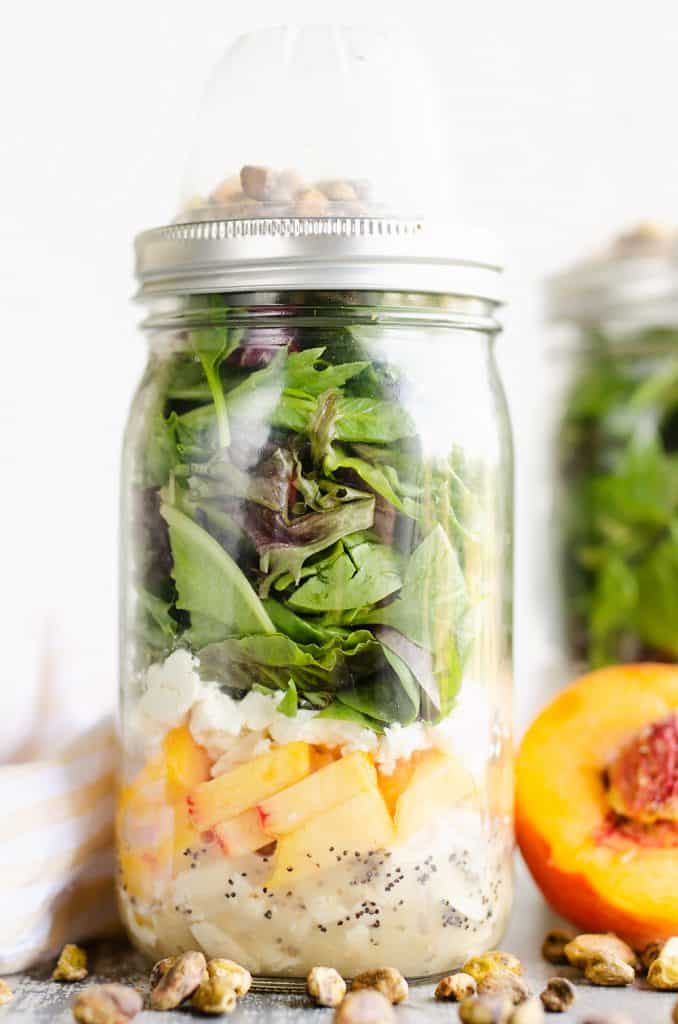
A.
x: 619, y: 453
x: 297, y: 540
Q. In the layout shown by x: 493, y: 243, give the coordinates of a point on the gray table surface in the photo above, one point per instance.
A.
x: 38, y: 1000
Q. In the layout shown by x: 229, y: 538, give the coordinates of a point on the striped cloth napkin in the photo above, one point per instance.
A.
x: 56, y: 849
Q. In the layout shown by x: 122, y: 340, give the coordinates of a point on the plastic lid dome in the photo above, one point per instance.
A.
x: 315, y: 122
x: 319, y: 161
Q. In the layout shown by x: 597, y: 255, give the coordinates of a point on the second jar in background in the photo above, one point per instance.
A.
x: 617, y: 507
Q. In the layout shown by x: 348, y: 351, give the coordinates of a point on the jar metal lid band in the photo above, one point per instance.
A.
x: 314, y: 254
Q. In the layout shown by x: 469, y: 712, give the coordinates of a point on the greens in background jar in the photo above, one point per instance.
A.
x: 618, y: 452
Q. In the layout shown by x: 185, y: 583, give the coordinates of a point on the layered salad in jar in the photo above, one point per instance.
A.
x: 315, y: 766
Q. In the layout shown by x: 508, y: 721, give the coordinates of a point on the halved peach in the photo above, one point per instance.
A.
x: 603, y: 870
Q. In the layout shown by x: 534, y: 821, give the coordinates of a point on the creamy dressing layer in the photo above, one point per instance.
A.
x: 424, y: 906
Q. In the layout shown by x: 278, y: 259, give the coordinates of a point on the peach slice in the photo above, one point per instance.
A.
x: 186, y: 763
x: 145, y: 844
x: 355, y: 828
x: 243, y: 787
x: 439, y: 781
x: 334, y: 784
x: 243, y: 834
x: 605, y: 745
x: 152, y: 822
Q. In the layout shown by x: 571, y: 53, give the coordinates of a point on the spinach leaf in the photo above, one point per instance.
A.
x: 372, y: 420
x: 331, y: 416
x: 208, y: 581
x: 432, y: 604
x: 344, y: 713
x: 159, y: 611
x: 203, y: 631
x: 365, y: 576
x: 390, y: 697
x: 294, y: 411
x: 297, y: 628
x: 417, y: 660
x: 316, y: 564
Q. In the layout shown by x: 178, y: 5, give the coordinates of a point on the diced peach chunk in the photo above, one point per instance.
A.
x: 320, y: 757
x: 186, y: 763
x: 439, y: 781
x: 334, y: 784
x: 243, y: 787
x: 145, y: 849
x: 359, y: 826
x: 392, y: 786
x: 152, y: 821
x: 242, y: 834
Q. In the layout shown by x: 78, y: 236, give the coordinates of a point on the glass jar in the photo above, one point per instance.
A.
x: 618, y: 451
x: 316, y: 561
x: 316, y: 634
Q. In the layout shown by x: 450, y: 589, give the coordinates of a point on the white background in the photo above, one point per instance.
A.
x: 563, y: 119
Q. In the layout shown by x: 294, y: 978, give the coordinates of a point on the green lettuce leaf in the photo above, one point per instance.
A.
x: 272, y: 660
x: 307, y: 371
x: 211, y: 345
x: 373, y: 475
x: 289, y: 705
x: 657, y: 586
x: 307, y: 536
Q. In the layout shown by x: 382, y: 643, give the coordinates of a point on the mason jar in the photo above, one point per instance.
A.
x: 617, y: 507
x: 316, y: 566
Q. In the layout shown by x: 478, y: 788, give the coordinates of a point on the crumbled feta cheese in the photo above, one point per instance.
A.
x: 400, y: 742
x: 240, y: 750
x: 171, y: 690
x: 233, y: 731
x: 216, y: 720
x: 325, y: 732
x: 258, y: 710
